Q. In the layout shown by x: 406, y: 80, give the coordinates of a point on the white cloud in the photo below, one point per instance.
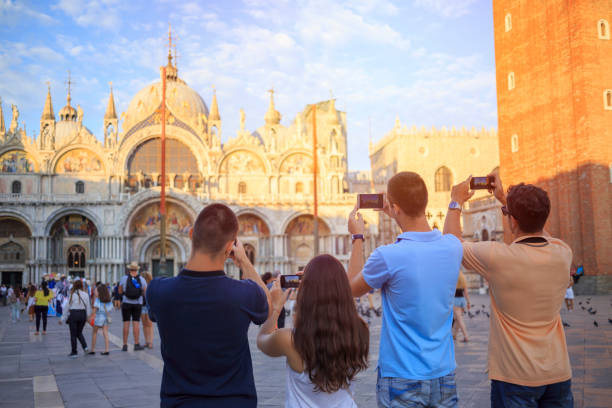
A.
x: 11, y: 11
x: 446, y: 8
x: 96, y: 13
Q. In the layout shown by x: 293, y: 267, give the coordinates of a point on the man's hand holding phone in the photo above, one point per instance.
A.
x: 497, y: 188
x: 238, y: 254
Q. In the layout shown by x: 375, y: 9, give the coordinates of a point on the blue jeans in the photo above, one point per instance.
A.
x: 507, y: 395
x: 399, y: 392
x: 15, y: 311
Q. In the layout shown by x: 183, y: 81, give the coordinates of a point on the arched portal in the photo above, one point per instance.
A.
x: 72, y: 242
x: 144, y: 228
x: 15, y: 239
x: 301, y: 239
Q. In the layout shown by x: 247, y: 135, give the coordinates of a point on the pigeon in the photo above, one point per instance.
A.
x: 477, y: 311
x: 582, y: 307
x: 470, y: 315
x: 610, y: 321
x: 588, y: 299
x: 593, y: 312
x: 580, y: 303
x: 483, y: 306
x: 566, y: 324
x: 487, y: 313
x: 595, y: 323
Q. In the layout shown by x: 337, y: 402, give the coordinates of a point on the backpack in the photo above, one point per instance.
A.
x: 133, y: 290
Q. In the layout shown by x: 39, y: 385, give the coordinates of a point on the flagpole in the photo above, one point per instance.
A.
x: 162, y: 205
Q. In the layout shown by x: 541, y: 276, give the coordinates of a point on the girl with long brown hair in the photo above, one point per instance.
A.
x: 462, y: 302
x: 101, y: 309
x: 147, y: 324
x: 329, y: 343
x: 31, y: 301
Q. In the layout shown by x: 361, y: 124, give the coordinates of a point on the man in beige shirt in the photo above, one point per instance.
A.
x: 527, y: 274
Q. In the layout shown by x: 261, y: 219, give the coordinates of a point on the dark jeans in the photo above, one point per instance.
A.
x: 507, y: 395
x: 41, y: 311
x: 77, y: 321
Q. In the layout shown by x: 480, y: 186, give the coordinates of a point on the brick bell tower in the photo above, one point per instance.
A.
x: 554, y: 101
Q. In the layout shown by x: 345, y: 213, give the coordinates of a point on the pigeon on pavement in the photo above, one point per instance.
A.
x: 595, y: 323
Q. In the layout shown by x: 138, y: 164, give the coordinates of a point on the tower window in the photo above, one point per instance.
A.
x: 79, y: 187
x: 514, y: 144
x: 603, y: 29
x: 242, y: 188
x: 16, y: 187
x: 511, y: 81
x: 443, y: 179
x: 608, y: 99
x: 299, y: 188
x: 508, y: 22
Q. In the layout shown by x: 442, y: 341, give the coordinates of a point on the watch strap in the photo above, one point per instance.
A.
x: 357, y: 236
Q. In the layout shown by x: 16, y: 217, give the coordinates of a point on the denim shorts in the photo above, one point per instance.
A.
x: 460, y: 302
x: 508, y: 395
x: 399, y: 392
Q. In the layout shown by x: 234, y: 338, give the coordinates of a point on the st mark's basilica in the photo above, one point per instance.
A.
x: 72, y: 204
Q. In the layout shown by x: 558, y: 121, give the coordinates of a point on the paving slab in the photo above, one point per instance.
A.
x: 35, y: 370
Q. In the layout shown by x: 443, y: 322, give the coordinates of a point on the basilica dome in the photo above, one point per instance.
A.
x: 183, y: 102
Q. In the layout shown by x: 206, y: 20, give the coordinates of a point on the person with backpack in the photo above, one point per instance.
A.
x: 133, y: 287
x: 15, y: 298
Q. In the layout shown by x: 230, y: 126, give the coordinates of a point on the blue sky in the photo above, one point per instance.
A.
x: 428, y: 62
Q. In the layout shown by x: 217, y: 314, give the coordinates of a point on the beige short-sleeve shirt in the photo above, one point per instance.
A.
x: 527, y: 283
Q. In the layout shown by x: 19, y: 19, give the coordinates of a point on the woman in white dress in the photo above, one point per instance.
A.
x: 329, y: 343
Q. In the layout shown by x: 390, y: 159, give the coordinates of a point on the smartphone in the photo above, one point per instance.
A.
x: 290, y: 281
x: 371, y: 201
x: 481, y: 183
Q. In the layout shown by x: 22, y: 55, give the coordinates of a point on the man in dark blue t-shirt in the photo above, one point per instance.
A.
x: 203, y: 317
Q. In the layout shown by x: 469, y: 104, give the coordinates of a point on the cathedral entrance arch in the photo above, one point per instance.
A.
x: 15, y: 241
x: 300, y: 245
x: 144, y: 229
x: 73, y: 239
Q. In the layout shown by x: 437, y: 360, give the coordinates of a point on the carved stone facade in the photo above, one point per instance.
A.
x: 74, y: 205
x: 442, y: 157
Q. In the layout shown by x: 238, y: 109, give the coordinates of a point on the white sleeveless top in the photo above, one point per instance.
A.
x: 301, y: 394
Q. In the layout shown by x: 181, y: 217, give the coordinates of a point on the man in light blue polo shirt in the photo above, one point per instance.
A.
x: 417, y: 276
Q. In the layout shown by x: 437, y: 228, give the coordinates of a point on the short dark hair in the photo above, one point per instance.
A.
x: 409, y: 192
x: 215, y: 226
x: 266, y: 277
x: 529, y: 205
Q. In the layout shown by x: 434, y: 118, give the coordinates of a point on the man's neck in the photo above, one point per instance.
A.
x: 521, y: 234
x: 413, y: 224
x: 203, y: 263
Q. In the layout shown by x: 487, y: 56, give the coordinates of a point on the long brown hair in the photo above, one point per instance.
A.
x: 329, y: 335
x: 147, y: 277
x: 103, y: 293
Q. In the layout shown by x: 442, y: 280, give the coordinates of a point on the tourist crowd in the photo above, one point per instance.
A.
x: 203, y: 315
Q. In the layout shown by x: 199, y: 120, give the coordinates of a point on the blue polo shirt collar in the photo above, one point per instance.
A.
x: 428, y: 236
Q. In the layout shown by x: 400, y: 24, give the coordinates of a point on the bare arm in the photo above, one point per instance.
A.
x: 459, y: 193
x: 359, y: 287
x: 270, y: 340
x: 248, y: 270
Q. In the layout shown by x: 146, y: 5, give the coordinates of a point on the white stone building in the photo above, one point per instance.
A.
x: 71, y: 204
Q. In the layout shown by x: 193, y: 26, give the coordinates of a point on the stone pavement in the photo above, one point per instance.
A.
x: 36, y: 372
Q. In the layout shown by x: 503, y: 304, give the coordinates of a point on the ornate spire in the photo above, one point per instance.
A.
x: 214, y: 108
x: 68, y: 112
x: 273, y: 117
x: 47, y: 113
x: 110, y: 108
x: 171, y: 70
x: 2, y: 126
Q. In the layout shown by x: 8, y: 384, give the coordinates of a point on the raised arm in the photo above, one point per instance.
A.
x: 459, y: 193
x: 359, y: 287
x: 248, y: 271
x: 270, y: 340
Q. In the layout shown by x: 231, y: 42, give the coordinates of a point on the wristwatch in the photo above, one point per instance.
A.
x: 357, y: 236
x: 454, y: 206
